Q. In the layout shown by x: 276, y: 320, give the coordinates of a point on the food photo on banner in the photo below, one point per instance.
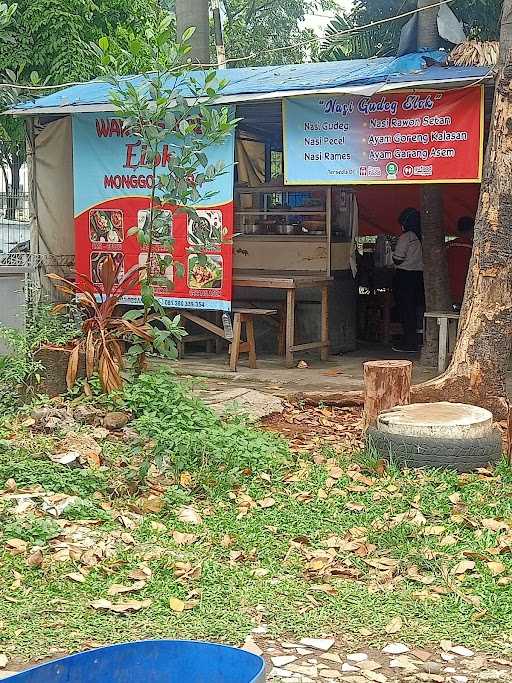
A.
x: 112, y: 192
x: 417, y: 137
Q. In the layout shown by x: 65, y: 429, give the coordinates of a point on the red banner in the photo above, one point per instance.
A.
x: 200, y: 283
x: 388, y: 138
x: 111, y: 193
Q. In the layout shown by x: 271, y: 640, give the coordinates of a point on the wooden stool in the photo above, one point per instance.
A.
x: 447, y: 336
x: 244, y: 316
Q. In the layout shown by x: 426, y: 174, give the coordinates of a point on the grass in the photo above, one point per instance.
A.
x: 263, y: 573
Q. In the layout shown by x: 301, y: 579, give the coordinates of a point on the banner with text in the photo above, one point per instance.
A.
x: 418, y: 137
x: 112, y: 189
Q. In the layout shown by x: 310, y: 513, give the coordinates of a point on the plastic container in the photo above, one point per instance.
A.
x: 151, y: 661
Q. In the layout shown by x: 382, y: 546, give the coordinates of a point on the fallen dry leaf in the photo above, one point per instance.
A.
x: 323, y: 588
x: 176, y: 604
x: 414, y: 574
x: 87, y: 448
x: 142, y: 574
x: 35, y: 559
x: 448, y: 540
x: 227, y: 541
x: 10, y: 485
x: 16, y: 546
x: 118, y: 588
x: 181, y: 538
x: 496, y: 568
x: 494, y: 524
x: 189, y: 515
x: 463, y: 566
x: 266, y: 502
x: 356, y: 507
x: 158, y: 526
x: 28, y: 422
x: 186, y: 480
x: 76, y: 576
x: 394, y: 625
x: 185, y: 571
x: 335, y: 472
x: 434, y: 530
x: 153, y: 504
x: 121, y: 607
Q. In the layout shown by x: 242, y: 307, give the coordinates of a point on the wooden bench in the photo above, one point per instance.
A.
x: 245, y: 316
x: 192, y: 338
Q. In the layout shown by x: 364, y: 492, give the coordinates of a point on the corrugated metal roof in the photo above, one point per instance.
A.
x: 270, y: 82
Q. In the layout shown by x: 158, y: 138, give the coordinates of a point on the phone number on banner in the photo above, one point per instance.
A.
x: 170, y: 302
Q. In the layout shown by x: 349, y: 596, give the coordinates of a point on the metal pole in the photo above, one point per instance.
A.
x: 219, y: 35
x: 194, y: 13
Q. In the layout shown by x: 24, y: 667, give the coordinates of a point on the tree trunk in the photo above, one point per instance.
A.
x: 477, y: 370
x: 435, y: 266
x: 387, y: 383
x: 194, y: 13
x: 435, y: 261
x: 428, y: 35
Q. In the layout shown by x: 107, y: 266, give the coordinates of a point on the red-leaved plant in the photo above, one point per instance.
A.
x: 103, y: 329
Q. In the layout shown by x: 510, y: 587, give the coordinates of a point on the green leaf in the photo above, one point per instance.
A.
x: 188, y: 33
x: 103, y: 42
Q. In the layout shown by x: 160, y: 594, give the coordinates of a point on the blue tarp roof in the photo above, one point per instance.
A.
x: 251, y: 83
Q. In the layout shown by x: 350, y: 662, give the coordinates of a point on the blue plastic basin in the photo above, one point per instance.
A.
x: 152, y: 661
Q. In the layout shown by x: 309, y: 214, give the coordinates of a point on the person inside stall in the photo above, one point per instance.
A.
x: 459, y: 256
x: 408, y: 279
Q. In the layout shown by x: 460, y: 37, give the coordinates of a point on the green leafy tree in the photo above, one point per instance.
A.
x: 47, y: 42
x: 169, y: 126
x: 481, y: 20
x: 257, y: 27
x: 12, y: 158
x: 53, y: 38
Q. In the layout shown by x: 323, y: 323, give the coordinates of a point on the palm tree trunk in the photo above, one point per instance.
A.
x: 194, y: 13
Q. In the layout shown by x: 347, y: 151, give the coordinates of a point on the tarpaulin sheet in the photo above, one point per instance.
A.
x: 379, y: 207
x: 260, y: 80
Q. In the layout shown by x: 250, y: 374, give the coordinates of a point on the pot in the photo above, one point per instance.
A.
x: 255, y: 229
x: 287, y: 229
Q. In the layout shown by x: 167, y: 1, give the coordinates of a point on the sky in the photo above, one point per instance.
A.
x: 318, y: 23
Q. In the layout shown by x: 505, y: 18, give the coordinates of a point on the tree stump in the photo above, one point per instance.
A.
x: 387, y: 383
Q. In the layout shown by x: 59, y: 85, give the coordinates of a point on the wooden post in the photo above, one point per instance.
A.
x: 324, y: 350
x: 443, y: 344
x: 387, y: 383
x: 235, y: 342
x: 290, y: 326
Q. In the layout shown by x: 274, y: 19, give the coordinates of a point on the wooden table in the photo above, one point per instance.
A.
x: 290, y: 282
x: 446, y: 340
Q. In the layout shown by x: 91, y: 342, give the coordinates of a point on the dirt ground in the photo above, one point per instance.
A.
x: 339, y: 373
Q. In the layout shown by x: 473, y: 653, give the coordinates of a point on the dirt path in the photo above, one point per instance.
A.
x: 330, y: 661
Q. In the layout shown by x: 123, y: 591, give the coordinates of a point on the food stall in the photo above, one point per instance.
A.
x: 310, y: 136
